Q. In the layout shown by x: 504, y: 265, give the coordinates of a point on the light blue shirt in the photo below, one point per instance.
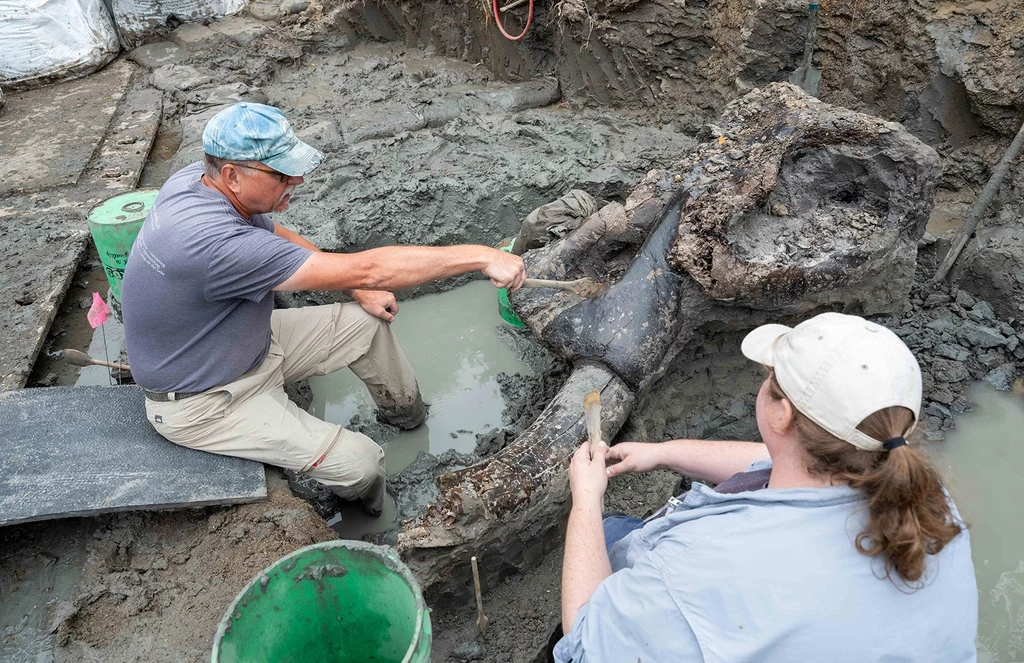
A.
x: 771, y: 575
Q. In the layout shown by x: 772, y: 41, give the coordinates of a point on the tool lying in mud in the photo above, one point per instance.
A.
x: 78, y: 358
x: 481, y: 618
x: 980, y: 206
x: 592, y: 414
x: 586, y: 288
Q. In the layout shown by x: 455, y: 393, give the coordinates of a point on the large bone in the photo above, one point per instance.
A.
x: 508, y: 509
x: 793, y: 206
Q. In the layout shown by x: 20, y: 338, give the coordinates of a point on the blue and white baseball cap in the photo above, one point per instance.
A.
x: 255, y: 132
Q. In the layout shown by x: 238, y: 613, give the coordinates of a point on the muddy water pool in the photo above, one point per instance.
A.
x: 982, y: 458
x: 452, y: 343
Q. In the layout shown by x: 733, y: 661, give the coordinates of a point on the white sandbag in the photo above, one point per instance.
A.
x: 135, y: 18
x: 47, y: 40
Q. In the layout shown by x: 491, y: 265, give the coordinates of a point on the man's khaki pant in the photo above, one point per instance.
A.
x: 253, y: 418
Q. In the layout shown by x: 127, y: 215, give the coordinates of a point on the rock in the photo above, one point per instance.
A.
x: 954, y: 352
x: 158, y: 54
x: 937, y: 410
x: 981, y: 312
x: 992, y: 359
x: 943, y: 323
x: 982, y: 336
x: 468, y: 651
x: 964, y: 298
x: 171, y: 77
x: 932, y: 425
x: 942, y: 395
x: 992, y: 267
x: 936, y: 299
x: 1001, y: 378
x: 949, y: 371
x: 294, y: 6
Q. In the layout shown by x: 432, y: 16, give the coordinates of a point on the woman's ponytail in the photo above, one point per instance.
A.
x: 909, y: 515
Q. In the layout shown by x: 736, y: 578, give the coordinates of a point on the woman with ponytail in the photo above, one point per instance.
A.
x: 833, y: 540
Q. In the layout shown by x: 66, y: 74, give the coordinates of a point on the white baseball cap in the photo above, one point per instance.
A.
x: 839, y: 369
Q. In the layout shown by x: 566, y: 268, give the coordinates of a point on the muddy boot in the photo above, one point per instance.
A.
x: 372, y: 504
x: 405, y: 417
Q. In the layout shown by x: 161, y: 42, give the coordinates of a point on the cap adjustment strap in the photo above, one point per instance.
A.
x: 891, y: 444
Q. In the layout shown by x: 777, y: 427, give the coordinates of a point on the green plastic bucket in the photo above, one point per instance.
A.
x: 504, y: 305
x: 332, y: 602
x: 114, y: 225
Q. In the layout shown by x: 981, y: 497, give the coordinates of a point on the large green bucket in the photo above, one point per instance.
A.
x: 115, y: 224
x: 332, y: 602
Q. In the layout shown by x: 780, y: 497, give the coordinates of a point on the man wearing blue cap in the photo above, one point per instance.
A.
x: 204, y: 341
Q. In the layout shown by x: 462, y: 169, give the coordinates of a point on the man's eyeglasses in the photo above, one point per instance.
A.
x: 280, y: 176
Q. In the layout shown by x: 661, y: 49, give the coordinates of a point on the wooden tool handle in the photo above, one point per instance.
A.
x: 592, y: 414
x: 79, y: 358
x: 481, y: 619
x: 545, y: 283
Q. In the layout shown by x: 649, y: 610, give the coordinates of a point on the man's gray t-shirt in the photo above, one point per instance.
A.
x: 196, y: 298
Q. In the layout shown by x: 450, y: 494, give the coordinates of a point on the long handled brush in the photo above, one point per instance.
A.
x: 586, y: 288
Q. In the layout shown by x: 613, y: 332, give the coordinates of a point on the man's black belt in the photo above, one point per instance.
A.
x: 166, y: 396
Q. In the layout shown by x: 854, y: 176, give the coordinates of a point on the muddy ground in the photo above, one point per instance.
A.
x: 437, y: 131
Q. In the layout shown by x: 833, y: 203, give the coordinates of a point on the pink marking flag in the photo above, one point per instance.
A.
x: 99, y: 311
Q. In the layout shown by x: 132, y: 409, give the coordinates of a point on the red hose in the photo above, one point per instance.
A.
x: 497, y: 20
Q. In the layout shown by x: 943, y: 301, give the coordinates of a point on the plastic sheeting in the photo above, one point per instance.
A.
x: 43, y: 40
x: 135, y: 18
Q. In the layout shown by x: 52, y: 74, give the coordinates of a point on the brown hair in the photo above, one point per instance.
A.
x: 909, y: 517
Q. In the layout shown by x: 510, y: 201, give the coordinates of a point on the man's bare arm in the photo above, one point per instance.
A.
x: 395, y: 267
x: 294, y: 237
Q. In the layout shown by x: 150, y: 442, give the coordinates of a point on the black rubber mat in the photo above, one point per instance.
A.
x: 77, y: 451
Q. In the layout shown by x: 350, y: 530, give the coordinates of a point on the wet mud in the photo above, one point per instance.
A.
x: 980, y: 457
x: 483, y: 382
x: 425, y: 145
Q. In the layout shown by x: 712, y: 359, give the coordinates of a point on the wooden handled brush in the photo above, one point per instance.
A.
x: 586, y: 288
x: 592, y: 414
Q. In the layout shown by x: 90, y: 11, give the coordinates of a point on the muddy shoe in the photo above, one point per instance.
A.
x: 406, y: 418
x: 369, y: 509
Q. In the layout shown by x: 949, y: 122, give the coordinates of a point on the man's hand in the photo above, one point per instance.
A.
x: 633, y: 457
x: 506, y: 270
x: 379, y: 303
x: 587, y: 476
